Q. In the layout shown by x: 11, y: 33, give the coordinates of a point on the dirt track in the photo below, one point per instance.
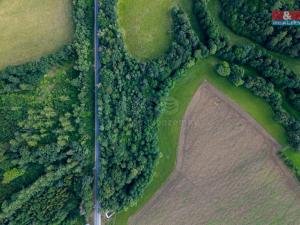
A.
x: 227, y: 172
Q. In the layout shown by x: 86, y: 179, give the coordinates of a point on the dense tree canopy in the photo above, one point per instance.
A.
x: 253, y: 19
x: 130, y: 94
x: 25, y: 77
x: 45, y: 140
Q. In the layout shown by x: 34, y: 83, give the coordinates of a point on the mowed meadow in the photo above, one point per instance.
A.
x: 33, y: 28
x: 145, y: 28
x: 145, y: 25
x: 135, y: 18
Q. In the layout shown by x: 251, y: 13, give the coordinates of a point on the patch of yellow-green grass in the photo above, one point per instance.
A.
x: 30, y: 29
x: 293, y: 156
x: 145, y: 26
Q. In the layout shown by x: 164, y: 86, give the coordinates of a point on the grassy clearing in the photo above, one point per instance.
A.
x: 33, y: 28
x: 184, y: 88
x: 145, y: 25
x: 139, y: 21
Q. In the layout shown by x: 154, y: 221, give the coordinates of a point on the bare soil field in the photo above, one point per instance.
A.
x: 227, y: 172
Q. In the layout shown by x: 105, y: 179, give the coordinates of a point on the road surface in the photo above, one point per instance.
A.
x: 97, y: 214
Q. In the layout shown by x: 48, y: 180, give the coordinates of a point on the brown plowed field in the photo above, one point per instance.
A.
x: 227, y: 172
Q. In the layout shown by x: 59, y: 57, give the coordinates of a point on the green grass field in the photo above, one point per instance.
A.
x: 33, y: 28
x: 183, y: 91
x: 139, y: 25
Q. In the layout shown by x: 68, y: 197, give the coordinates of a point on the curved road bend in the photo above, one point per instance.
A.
x: 97, y: 214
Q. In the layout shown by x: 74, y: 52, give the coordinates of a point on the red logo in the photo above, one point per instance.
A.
x: 286, y: 15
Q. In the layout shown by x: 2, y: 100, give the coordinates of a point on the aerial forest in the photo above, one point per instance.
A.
x: 131, y: 90
x: 47, y: 105
x: 46, y: 133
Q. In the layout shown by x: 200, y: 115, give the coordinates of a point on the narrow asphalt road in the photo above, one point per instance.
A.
x: 97, y: 214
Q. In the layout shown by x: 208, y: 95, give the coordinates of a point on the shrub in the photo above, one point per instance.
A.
x: 12, y: 174
x: 223, y: 69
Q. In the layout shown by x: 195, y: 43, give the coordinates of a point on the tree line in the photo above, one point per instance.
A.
x: 272, y: 82
x: 254, y: 20
x: 26, y: 76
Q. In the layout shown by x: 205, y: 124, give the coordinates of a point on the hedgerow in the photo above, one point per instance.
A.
x: 26, y: 76
x: 254, y: 20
